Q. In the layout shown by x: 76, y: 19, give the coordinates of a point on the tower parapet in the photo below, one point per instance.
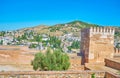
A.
x: 102, y: 30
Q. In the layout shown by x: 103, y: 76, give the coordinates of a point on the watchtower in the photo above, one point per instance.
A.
x: 97, y: 43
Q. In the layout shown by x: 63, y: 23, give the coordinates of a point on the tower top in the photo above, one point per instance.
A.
x: 102, y: 30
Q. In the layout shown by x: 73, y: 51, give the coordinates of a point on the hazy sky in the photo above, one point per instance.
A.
x: 15, y: 14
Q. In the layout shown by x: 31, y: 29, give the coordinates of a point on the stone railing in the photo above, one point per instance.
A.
x: 52, y: 74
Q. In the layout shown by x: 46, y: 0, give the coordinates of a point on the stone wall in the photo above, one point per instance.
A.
x: 97, y: 43
x: 84, y: 48
x: 112, y: 64
x: 53, y: 74
x: 75, y: 61
x: 111, y: 75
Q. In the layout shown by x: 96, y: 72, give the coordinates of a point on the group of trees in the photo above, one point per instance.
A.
x: 55, y: 60
x: 74, y: 45
x: 117, y: 34
x: 2, y: 33
x: 118, y: 45
x: 55, y: 42
x: 1, y: 42
x: 54, y: 28
x: 33, y: 46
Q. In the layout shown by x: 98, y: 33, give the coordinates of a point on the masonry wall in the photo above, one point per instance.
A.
x: 101, y: 43
x: 84, y: 48
x: 97, y: 43
x: 76, y: 63
x: 111, y: 75
x: 53, y: 74
x: 112, y: 64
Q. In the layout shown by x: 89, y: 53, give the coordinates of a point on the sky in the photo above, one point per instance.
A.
x: 16, y: 14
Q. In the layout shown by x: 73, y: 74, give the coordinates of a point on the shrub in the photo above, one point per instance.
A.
x: 51, y: 61
x: 93, y: 75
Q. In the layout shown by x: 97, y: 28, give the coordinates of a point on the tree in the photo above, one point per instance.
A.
x: 19, y: 38
x: 55, y: 42
x: 2, y: 33
x: 75, y: 45
x: 33, y: 46
x: 1, y: 42
x: 69, y: 48
x: 39, y: 40
x: 51, y: 61
x: 93, y: 75
x: 118, y: 45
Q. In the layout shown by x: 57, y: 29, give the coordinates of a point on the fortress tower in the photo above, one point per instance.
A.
x: 97, y: 43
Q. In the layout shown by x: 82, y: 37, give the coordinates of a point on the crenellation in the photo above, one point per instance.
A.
x: 107, y: 30
x: 94, y: 28
x: 91, y: 28
x: 97, y: 29
x: 102, y: 30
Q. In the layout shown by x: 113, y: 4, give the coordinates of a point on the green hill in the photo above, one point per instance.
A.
x: 61, y: 29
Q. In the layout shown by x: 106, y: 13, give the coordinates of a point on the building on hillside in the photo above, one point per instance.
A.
x: 6, y: 40
x: 97, y: 43
x: 45, y: 37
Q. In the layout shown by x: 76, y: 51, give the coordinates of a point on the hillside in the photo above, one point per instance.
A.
x: 60, y: 29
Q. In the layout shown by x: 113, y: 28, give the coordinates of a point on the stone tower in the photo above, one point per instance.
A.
x: 97, y: 43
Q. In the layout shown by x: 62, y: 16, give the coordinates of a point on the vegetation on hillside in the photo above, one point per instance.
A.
x: 81, y: 24
x: 71, y: 27
x: 75, y: 45
x: 55, y: 42
x: 117, y: 32
x: 2, y: 33
x: 33, y: 36
x: 51, y: 61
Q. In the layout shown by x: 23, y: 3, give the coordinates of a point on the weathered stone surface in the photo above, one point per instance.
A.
x: 96, y: 44
x: 75, y: 62
x: 113, y: 63
x: 53, y: 74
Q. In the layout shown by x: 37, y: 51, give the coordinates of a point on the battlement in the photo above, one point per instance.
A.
x: 102, y: 30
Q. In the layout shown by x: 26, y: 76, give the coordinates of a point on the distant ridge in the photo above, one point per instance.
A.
x: 61, y: 29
